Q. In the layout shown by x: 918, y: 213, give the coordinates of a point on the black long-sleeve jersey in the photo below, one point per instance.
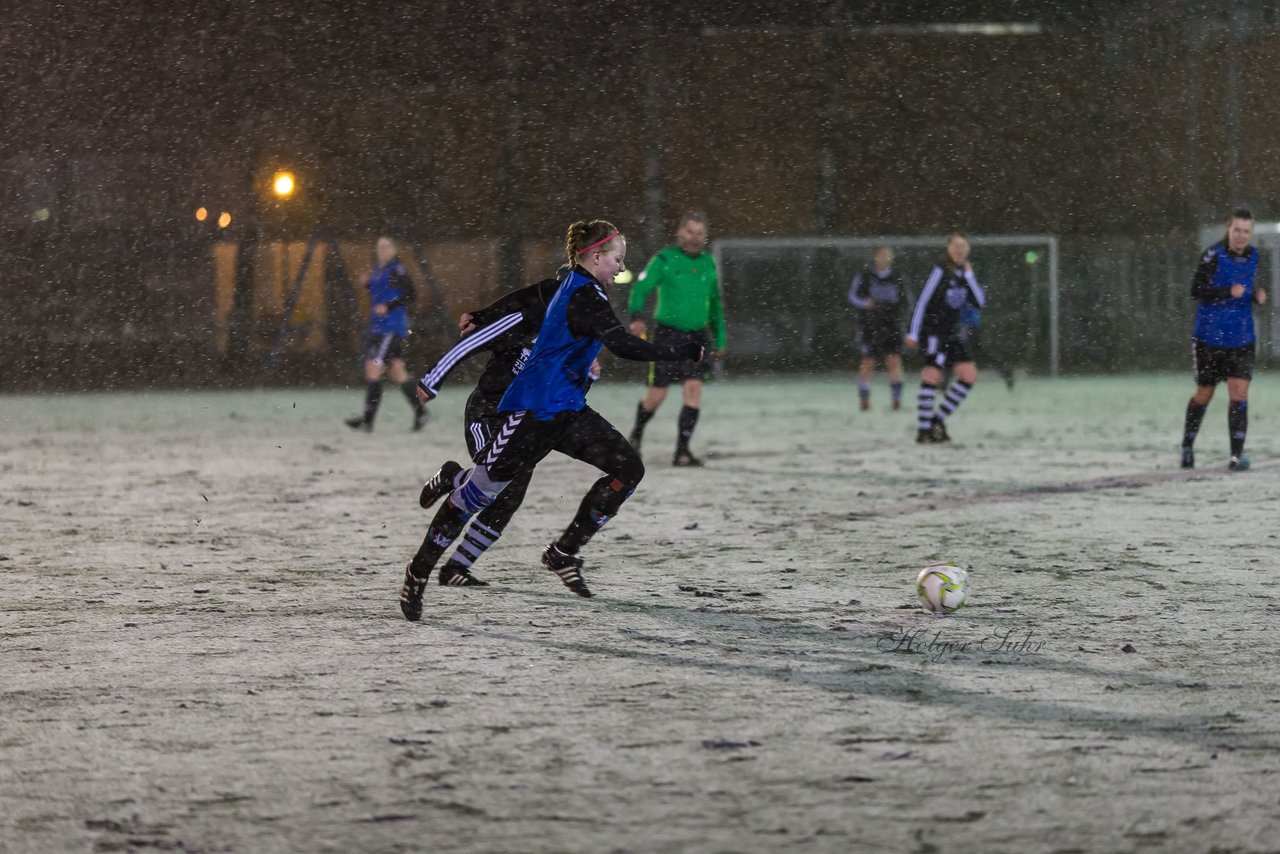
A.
x: 508, y: 327
x: 883, y: 300
x: 947, y: 290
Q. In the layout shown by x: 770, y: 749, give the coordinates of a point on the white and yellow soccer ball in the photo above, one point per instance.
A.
x: 943, y: 588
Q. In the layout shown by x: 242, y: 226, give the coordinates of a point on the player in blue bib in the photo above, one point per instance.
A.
x: 546, y: 409
x: 1223, y: 340
x: 391, y: 292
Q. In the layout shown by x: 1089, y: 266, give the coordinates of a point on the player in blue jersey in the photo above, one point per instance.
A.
x: 391, y: 292
x: 1223, y: 340
x: 545, y: 408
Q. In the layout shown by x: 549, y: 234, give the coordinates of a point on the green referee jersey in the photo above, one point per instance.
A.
x: 688, y: 292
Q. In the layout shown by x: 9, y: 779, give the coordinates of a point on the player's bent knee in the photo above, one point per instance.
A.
x: 478, y: 491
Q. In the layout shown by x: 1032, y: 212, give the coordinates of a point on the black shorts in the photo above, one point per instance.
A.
x: 520, y: 441
x: 878, y: 343
x: 482, y: 421
x: 663, y: 374
x: 382, y: 348
x: 1212, y: 365
x: 940, y: 352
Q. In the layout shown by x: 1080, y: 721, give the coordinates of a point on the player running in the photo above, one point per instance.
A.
x: 1223, y: 341
x: 879, y: 295
x: 505, y: 330
x: 545, y: 408
x: 391, y: 292
x: 951, y: 285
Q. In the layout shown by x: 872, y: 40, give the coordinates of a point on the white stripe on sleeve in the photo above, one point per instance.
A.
x: 464, y: 348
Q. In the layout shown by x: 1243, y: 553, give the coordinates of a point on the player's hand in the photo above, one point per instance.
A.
x: 424, y: 396
x: 871, y: 305
x: 595, y: 370
x: 1259, y: 296
x: 465, y: 326
x: 968, y: 266
x: 1237, y: 291
x: 717, y: 355
x: 910, y: 343
x: 638, y: 328
x: 380, y: 309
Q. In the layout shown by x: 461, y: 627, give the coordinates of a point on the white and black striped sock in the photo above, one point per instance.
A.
x: 924, y: 405
x: 956, y: 394
x: 475, y: 542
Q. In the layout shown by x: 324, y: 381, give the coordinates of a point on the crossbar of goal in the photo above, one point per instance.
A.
x: 1049, y: 241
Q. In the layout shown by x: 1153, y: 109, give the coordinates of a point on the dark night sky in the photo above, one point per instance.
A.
x: 85, y: 75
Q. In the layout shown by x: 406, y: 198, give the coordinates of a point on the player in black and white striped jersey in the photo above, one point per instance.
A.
x: 505, y: 330
x: 934, y: 324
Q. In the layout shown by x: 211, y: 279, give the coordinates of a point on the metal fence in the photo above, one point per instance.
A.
x: 119, y: 309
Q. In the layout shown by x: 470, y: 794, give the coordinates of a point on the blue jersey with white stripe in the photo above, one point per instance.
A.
x: 1221, y: 319
x: 555, y: 377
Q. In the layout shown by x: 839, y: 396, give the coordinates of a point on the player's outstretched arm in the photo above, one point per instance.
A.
x: 464, y: 349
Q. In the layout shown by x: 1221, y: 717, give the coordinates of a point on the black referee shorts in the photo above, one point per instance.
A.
x: 663, y: 374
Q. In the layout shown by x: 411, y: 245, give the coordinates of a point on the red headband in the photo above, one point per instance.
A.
x: 598, y: 243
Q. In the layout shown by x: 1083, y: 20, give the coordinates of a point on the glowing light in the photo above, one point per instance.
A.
x: 202, y: 214
x: 1032, y: 257
x: 283, y: 184
x: 224, y: 219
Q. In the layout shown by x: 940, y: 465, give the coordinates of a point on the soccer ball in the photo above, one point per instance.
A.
x: 942, y: 589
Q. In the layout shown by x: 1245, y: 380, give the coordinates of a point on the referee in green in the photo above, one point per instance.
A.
x: 688, y: 302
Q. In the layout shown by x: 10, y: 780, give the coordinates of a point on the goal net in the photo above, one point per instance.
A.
x: 786, y: 298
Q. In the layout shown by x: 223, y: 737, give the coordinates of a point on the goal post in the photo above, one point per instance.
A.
x: 786, y: 296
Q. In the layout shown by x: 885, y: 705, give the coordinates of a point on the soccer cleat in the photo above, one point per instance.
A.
x: 568, y: 567
x: 420, y: 419
x: 1240, y: 463
x: 440, y: 485
x: 925, y: 437
x: 1188, y: 457
x: 634, y: 441
x: 358, y: 423
x: 896, y: 405
x: 939, y: 431
x: 459, y: 576
x: 864, y: 404
x: 686, y: 459
x: 411, y: 595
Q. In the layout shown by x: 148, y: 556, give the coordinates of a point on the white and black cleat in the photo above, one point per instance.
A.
x: 440, y: 485
x: 568, y: 567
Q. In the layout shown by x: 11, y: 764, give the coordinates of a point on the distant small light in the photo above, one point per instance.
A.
x: 202, y: 214
x: 624, y: 278
x: 40, y: 215
x: 1032, y: 257
x: 224, y: 219
x: 283, y: 184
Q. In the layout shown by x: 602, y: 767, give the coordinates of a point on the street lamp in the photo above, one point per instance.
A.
x: 283, y: 184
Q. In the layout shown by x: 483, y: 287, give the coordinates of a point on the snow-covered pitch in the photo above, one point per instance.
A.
x: 202, y: 648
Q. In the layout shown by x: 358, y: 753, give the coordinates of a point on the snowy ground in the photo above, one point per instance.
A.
x: 202, y: 651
